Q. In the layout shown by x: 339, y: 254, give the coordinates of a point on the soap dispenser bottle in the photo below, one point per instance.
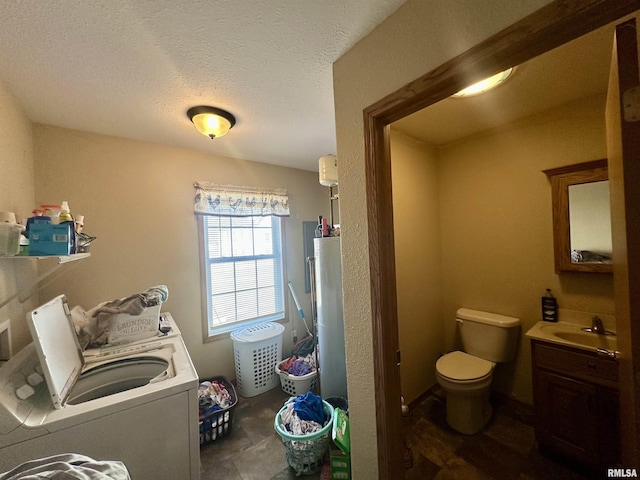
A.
x: 549, y: 307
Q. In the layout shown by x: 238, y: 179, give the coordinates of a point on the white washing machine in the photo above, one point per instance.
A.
x: 136, y: 403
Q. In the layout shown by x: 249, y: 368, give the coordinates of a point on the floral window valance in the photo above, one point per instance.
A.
x: 232, y: 200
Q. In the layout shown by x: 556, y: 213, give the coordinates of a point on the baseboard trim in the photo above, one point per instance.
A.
x: 434, y: 390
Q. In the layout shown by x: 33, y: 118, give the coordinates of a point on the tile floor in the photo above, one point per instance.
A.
x: 504, y: 450
x: 252, y: 450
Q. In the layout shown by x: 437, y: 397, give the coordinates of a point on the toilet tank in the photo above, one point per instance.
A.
x: 488, y: 335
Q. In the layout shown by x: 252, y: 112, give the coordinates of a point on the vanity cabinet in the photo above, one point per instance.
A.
x: 576, y: 404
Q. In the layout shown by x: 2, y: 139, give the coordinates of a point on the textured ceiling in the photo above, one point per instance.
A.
x: 576, y: 70
x: 132, y: 68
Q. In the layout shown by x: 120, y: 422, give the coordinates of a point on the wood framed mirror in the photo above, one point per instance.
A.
x: 581, y: 217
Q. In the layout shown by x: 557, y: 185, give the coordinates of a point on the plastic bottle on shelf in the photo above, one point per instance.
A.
x: 66, y: 219
x: 65, y: 213
x: 79, y: 221
x: 53, y: 212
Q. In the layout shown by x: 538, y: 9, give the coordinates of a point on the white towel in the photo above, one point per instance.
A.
x: 68, y: 466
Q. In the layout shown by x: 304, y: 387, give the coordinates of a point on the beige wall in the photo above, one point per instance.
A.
x: 472, y: 225
x: 418, y: 272
x: 16, y: 195
x: 417, y: 38
x: 496, y: 225
x: 137, y: 199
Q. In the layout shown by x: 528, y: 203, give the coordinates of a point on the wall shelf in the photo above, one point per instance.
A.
x: 25, y: 291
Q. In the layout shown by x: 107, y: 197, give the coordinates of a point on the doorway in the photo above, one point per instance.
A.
x: 546, y: 29
x: 471, y: 206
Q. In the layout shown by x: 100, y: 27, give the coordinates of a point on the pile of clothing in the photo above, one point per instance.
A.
x: 298, y: 366
x: 95, y: 327
x: 68, y: 466
x: 213, y: 396
x: 303, y: 414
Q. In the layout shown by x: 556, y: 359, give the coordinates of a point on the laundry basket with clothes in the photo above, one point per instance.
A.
x: 216, y: 400
x: 298, y: 375
x: 304, y: 424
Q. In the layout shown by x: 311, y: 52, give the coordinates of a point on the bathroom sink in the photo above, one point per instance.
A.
x: 573, y: 335
x: 607, y: 342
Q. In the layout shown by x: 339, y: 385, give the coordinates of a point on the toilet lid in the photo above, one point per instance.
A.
x: 463, y: 367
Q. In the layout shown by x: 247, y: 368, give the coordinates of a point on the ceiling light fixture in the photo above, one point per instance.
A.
x: 212, y: 122
x: 485, y: 85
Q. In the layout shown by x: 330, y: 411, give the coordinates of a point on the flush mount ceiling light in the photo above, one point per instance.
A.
x: 211, y: 121
x: 485, y: 85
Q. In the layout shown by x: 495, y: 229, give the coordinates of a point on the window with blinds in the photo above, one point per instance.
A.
x: 244, y: 271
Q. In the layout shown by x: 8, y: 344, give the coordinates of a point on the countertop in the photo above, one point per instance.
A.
x: 572, y: 335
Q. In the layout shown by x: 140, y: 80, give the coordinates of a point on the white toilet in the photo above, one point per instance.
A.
x: 466, y: 376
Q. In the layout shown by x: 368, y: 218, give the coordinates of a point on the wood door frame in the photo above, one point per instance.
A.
x: 623, y: 151
x: 553, y: 25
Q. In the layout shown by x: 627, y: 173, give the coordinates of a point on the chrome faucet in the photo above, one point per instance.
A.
x: 596, y: 326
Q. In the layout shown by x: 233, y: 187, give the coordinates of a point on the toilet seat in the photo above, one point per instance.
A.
x: 461, y: 367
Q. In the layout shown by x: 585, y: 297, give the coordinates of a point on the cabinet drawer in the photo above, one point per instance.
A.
x: 577, y: 364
